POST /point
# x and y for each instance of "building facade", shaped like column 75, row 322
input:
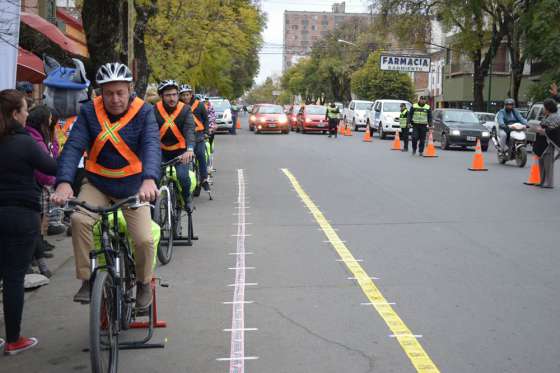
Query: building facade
column 302, row 29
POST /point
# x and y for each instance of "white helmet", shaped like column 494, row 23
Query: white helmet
column 185, row 88
column 167, row 84
column 113, row 72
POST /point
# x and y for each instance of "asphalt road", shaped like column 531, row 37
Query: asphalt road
column 467, row 261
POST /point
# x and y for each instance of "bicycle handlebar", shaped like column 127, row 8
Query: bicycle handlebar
column 134, row 201
column 172, row 162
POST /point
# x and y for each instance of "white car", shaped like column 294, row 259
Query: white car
column 357, row 113
column 385, row 116
column 222, row 107
column 488, row 120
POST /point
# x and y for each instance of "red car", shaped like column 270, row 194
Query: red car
column 312, row 118
column 270, row 118
column 292, row 116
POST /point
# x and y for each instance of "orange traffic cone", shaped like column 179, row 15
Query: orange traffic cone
column 367, row 136
column 397, row 142
column 535, row 174
column 431, row 149
column 341, row 129
column 348, row 132
column 238, row 125
column 478, row 159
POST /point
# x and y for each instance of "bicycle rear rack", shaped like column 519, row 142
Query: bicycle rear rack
column 187, row 241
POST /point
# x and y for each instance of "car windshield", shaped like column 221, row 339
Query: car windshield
column 272, row 109
column 464, row 117
column 392, row 107
column 340, row 106
column 486, row 117
column 220, row 105
column 295, row 109
column 316, row 110
column 363, row 106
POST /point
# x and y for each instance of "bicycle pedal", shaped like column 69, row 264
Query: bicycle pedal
column 163, row 284
column 194, row 238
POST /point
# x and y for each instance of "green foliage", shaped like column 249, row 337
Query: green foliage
column 211, row 44
column 372, row 83
column 262, row 93
column 543, row 33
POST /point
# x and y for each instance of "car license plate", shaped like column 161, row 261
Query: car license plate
column 320, row 125
column 272, row 125
column 471, row 138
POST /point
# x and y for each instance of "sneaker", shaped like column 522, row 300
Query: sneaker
column 143, row 295
column 43, row 268
column 83, row 295
column 205, row 186
column 53, row 230
column 21, row 345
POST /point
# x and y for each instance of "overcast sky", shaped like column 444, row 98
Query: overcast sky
column 271, row 53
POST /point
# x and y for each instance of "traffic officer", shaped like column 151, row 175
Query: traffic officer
column 405, row 131
column 420, row 117
column 332, row 115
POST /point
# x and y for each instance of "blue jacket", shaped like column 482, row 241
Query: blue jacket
column 141, row 135
column 505, row 118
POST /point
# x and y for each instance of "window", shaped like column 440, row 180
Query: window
column 295, row 27
column 313, row 28
column 305, row 22
column 533, row 113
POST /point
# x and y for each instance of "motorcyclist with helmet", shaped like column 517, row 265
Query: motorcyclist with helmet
column 506, row 116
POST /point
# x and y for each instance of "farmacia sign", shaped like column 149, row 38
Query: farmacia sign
column 395, row 62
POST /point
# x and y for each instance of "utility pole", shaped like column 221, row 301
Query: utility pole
column 130, row 38
column 490, row 81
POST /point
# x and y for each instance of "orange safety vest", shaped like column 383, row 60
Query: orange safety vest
column 169, row 124
column 199, row 124
column 62, row 130
column 110, row 132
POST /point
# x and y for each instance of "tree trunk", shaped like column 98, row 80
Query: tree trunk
column 103, row 26
column 145, row 9
column 478, row 83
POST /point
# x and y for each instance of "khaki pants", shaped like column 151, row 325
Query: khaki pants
column 139, row 226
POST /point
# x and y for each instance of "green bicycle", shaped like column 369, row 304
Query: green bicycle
column 168, row 210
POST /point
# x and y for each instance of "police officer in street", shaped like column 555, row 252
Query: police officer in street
column 332, row 115
column 405, row 129
column 420, row 117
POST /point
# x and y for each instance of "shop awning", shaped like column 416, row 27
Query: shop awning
column 52, row 32
column 29, row 67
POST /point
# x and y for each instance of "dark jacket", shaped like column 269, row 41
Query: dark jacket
column 185, row 122
column 202, row 115
column 20, row 156
column 141, row 135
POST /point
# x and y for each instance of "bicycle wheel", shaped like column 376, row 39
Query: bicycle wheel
column 163, row 215
column 104, row 343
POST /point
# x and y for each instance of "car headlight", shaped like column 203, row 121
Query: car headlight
column 262, row 119
column 252, row 118
column 307, row 120
column 282, row 119
column 455, row 133
column 485, row 134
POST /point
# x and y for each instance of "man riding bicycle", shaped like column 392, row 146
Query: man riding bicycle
column 176, row 132
column 120, row 133
column 200, row 116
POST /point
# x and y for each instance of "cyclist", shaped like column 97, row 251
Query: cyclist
column 176, row 132
column 121, row 135
column 200, row 116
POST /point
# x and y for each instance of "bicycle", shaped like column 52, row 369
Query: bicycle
column 196, row 165
column 113, row 275
column 168, row 209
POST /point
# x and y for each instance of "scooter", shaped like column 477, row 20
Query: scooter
column 517, row 149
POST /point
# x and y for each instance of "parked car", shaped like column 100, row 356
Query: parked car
column 488, row 120
column 222, row 107
column 459, row 127
column 292, row 116
column 311, row 118
column 270, row 118
column 357, row 113
column 340, row 107
column 534, row 117
column 385, row 115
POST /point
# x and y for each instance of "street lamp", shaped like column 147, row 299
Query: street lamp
column 347, row 42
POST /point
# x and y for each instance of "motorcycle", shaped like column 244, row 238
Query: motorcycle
column 517, row 149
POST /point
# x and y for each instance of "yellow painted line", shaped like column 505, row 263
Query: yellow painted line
column 408, row 340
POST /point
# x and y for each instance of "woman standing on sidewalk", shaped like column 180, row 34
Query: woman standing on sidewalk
column 20, row 210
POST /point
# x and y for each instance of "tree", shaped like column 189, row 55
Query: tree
column 371, row 83
column 262, row 93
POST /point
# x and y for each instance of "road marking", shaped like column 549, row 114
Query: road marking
column 247, row 253
column 237, row 345
column 244, row 330
column 378, row 304
column 246, row 284
column 408, row 341
column 354, row 278
column 350, row 260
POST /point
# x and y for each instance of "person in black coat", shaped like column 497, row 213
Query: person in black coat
column 20, row 209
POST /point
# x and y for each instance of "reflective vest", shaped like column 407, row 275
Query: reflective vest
column 332, row 112
column 62, row 130
column 198, row 122
column 170, row 125
column 403, row 119
column 110, row 132
column 420, row 115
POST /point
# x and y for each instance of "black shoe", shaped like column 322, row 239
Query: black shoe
column 83, row 295
column 48, row 255
column 404, row 150
column 143, row 295
column 205, row 186
column 53, row 230
column 421, row 154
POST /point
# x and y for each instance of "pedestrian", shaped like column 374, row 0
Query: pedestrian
column 20, row 210
column 420, row 117
column 332, row 115
column 405, row 130
column 554, row 92
column 234, row 117
column 549, row 128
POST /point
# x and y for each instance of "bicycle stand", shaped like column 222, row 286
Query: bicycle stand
column 153, row 322
column 187, row 241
